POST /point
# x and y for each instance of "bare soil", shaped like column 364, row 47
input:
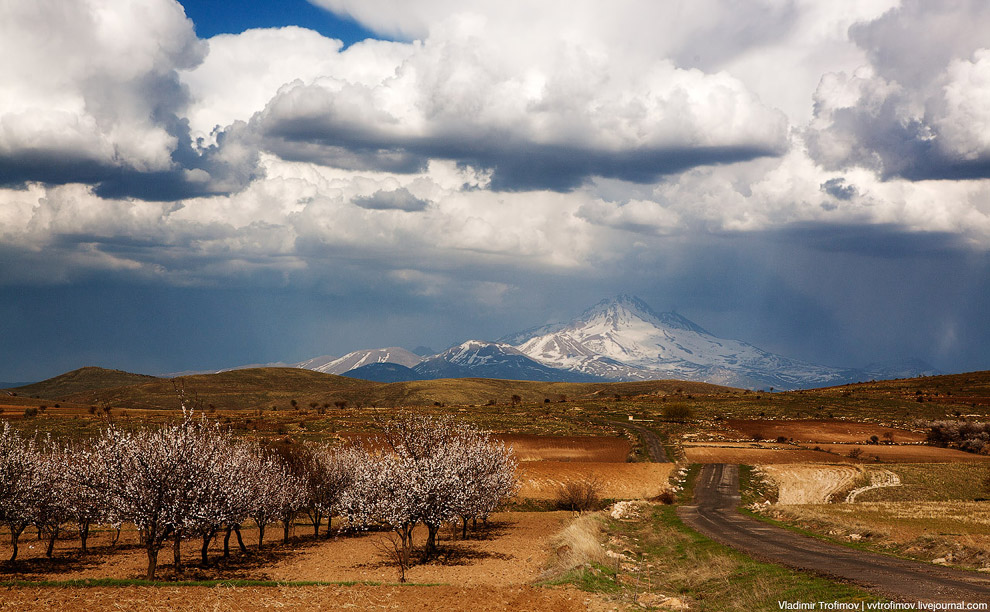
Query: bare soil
column 358, row 597
column 766, row 453
column 567, row 448
column 817, row 430
column 510, row 550
column 907, row 453
column 753, row 454
column 491, row 570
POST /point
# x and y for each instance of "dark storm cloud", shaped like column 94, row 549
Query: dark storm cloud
column 920, row 111
column 838, row 189
column 516, row 165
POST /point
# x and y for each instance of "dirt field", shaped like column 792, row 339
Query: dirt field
column 814, row 430
column 567, row 448
column 547, row 448
column 907, row 454
column 492, row 570
column 541, row 479
column 753, row 454
column 357, row 597
column 764, row 453
column 511, row 550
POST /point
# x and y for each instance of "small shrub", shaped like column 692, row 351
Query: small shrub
column 579, row 495
column 666, row 497
column 30, row 412
column 855, row 453
column 781, row 439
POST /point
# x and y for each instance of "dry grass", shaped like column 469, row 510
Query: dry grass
column 955, row 532
column 810, row 484
column 578, row 544
column 541, row 480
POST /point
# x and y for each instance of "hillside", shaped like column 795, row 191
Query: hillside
column 83, row 380
column 266, row 387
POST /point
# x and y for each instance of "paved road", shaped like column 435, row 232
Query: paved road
column 717, row 497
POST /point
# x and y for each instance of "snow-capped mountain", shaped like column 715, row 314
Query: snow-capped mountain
column 618, row 339
column 623, row 338
column 479, row 359
column 357, row 359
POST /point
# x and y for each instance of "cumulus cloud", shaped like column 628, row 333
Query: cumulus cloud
column 98, row 99
column 398, row 199
column 548, row 120
column 916, row 111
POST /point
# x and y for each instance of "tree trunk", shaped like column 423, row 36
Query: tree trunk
column 83, row 533
column 177, row 553
column 240, row 541
column 15, row 534
column 431, row 541
column 464, row 528
column 261, row 535
column 286, row 523
column 152, row 561
column 317, row 518
column 329, row 520
column 51, row 541
column 226, row 541
column 205, row 552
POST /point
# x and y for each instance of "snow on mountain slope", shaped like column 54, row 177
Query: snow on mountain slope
column 493, row 360
column 356, row 359
column 623, row 338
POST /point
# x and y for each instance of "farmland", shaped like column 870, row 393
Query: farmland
column 814, row 447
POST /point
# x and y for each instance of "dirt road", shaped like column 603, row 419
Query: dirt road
column 717, row 497
column 655, row 448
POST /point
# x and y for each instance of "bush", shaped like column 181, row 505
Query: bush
column 579, row 495
column 676, row 412
column 30, row 412
column 666, row 497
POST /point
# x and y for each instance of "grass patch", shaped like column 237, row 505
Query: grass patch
column 933, row 482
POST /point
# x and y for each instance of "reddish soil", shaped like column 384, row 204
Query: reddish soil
column 813, row 430
column 548, row 448
column 357, row 597
column 915, row 453
column 567, row 448
column 492, row 570
column 751, row 455
column 755, row 453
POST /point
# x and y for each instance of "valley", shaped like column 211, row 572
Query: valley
column 810, row 449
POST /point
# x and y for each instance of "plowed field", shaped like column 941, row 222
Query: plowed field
column 814, row 430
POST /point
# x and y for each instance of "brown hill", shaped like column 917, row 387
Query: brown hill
column 266, row 387
column 83, row 380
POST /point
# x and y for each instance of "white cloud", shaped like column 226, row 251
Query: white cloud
column 94, row 86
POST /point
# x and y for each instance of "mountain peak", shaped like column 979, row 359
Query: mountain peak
column 625, row 307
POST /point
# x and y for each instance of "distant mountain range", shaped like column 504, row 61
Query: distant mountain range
column 618, row 339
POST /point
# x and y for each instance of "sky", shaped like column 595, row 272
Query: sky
column 198, row 185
